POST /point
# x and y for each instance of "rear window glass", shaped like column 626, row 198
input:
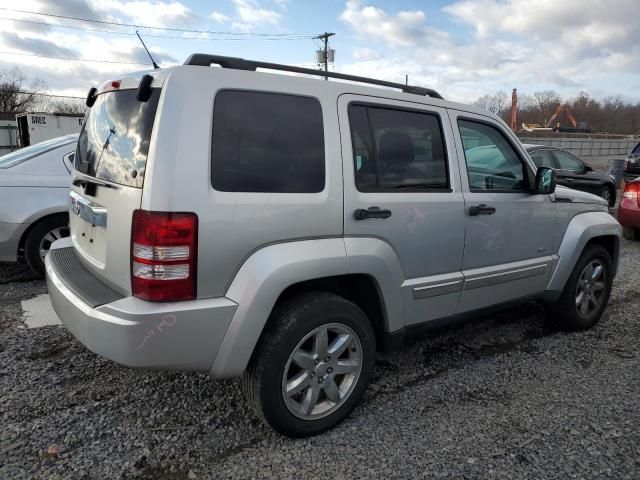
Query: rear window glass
column 114, row 141
column 27, row 153
column 267, row 142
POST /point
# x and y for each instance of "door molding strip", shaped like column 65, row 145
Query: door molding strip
column 502, row 277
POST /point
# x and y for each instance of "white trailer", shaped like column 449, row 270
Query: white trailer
column 36, row 127
column 8, row 136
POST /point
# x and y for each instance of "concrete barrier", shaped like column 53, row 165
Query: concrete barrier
column 594, row 149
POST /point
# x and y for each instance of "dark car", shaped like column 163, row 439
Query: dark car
column 632, row 165
column 573, row 172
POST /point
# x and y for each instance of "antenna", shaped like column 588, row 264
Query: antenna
column 155, row 65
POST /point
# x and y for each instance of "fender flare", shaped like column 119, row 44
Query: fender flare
column 271, row 270
column 581, row 229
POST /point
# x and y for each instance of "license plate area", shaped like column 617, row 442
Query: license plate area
column 88, row 222
column 87, row 210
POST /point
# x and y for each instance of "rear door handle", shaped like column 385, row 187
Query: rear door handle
column 371, row 212
column 482, row 209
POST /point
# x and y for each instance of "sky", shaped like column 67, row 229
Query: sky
column 462, row 48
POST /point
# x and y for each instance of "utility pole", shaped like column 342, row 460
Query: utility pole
column 514, row 108
column 325, row 56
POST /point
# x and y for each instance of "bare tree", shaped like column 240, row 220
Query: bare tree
column 493, row 103
column 18, row 93
column 609, row 115
column 547, row 102
column 69, row 105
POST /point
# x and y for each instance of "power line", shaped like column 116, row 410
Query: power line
column 40, row 94
column 177, row 37
column 71, row 59
column 132, row 25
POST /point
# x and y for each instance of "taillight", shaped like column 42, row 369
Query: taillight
column 163, row 255
column 631, row 192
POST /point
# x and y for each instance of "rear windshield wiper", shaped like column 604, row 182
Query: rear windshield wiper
column 82, row 180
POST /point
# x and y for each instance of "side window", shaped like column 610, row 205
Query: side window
column 397, row 149
column 568, row 162
column 542, row 158
column 267, row 142
column 492, row 163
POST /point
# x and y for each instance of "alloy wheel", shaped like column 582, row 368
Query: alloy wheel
column 590, row 291
column 322, row 371
column 51, row 236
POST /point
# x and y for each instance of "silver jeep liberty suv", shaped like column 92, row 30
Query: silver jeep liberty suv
column 283, row 229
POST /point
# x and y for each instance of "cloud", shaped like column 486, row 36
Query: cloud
column 139, row 55
column 365, row 53
column 250, row 13
column 71, row 8
column 36, row 46
column 219, row 17
column 529, row 44
column 570, row 31
column 156, row 13
column 402, row 29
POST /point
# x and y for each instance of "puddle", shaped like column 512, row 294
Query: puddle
column 38, row 312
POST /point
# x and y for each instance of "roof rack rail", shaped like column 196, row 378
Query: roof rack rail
column 206, row 60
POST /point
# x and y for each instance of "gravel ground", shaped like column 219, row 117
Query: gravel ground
column 500, row 397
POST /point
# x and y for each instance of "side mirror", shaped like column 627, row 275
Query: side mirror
column 545, row 181
column 588, row 168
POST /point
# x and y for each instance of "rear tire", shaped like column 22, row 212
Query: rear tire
column 630, row 233
column 40, row 238
column 289, row 359
column 586, row 293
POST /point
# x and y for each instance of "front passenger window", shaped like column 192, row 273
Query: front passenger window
column 492, row 163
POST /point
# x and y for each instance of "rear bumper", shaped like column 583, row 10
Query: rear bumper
column 136, row 333
column 629, row 217
column 10, row 234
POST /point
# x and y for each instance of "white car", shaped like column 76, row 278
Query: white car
column 34, row 184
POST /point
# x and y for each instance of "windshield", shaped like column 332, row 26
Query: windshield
column 637, row 149
column 114, row 141
column 14, row 158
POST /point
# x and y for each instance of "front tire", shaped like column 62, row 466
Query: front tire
column 312, row 365
column 586, row 294
column 40, row 238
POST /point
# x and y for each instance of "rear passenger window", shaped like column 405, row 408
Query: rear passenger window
column 267, row 142
column 397, row 149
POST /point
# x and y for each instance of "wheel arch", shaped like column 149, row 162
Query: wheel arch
column 34, row 223
column 583, row 230
column 276, row 272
